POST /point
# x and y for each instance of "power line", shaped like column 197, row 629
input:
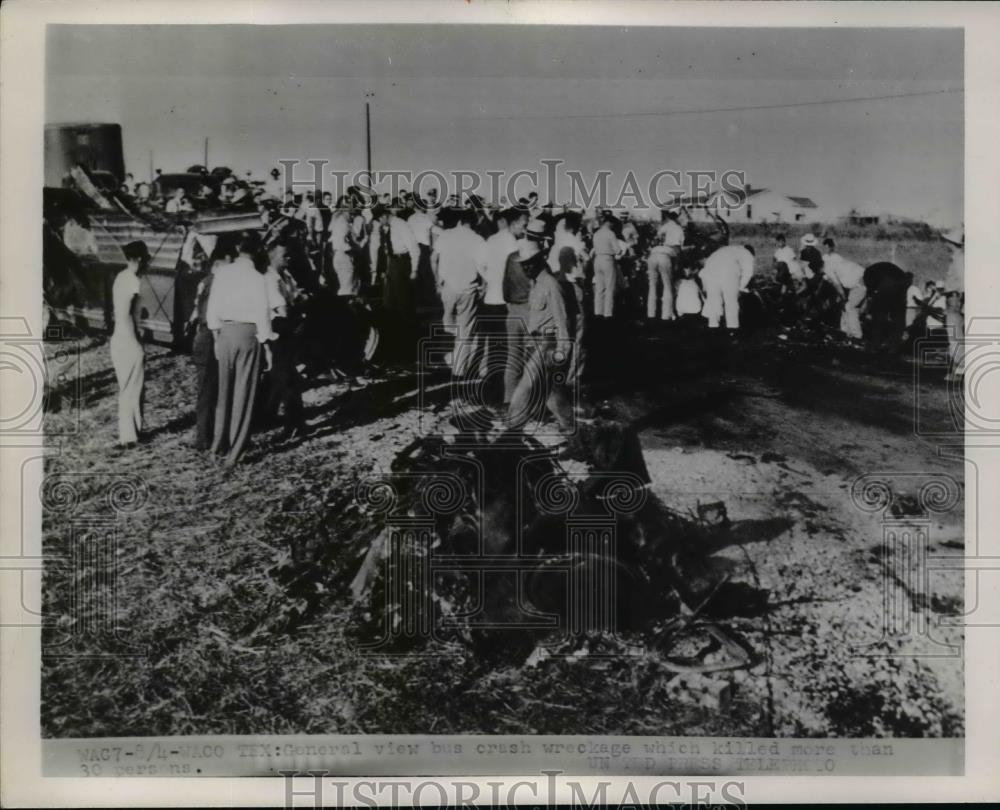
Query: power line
column 703, row 111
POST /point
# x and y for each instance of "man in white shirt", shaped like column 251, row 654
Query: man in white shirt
column 847, row 277
column 309, row 212
column 607, row 251
column 796, row 272
column 784, row 254
column 660, row 266
column 725, row 275
column 276, row 185
column 492, row 317
column 934, row 304
column 348, row 281
column 460, row 259
column 238, row 314
column 498, row 248
column 283, row 383
column 914, row 299
column 179, row 203
column 567, row 234
column 402, row 260
column 421, row 222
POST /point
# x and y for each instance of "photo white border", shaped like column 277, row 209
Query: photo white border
column 22, row 71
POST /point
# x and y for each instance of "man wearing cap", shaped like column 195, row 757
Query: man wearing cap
column 549, row 343
column 725, row 275
column 660, row 266
column 516, row 292
column 808, row 240
column 127, row 355
column 459, row 263
column 954, row 289
column 606, row 251
column 846, row 276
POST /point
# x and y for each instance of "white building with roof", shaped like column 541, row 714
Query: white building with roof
column 755, row 205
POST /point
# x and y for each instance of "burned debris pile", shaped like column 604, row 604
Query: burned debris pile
column 509, row 548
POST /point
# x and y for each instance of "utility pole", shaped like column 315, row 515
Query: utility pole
column 205, row 164
column 150, row 165
column 368, row 131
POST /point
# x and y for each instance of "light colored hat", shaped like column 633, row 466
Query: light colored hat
column 809, row 240
column 528, row 249
column 535, row 229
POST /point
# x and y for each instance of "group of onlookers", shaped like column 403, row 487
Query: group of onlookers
column 518, row 288
column 241, row 309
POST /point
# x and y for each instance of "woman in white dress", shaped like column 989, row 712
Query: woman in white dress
column 127, row 355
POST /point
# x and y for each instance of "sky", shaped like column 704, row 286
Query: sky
column 503, row 98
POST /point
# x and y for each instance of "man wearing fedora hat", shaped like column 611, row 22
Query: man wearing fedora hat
column 516, row 291
column 127, row 355
column 549, row 340
column 808, row 240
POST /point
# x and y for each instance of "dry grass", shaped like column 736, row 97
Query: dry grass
column 234, row 641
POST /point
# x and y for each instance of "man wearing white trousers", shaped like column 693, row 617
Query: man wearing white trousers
column 660, row 266
column 725, row 275
column 606, row 253
column 847, row 277
column 127, row 355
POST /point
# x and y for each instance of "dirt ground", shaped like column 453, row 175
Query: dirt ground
column 213, row 638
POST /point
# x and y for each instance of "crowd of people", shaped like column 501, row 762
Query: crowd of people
column 520, row 288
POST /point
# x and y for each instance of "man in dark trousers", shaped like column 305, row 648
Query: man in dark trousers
column 572, row 280
column 549, row 342
column 392, row 235
column 284, row 387
column 203, row 346
column 516, row 289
